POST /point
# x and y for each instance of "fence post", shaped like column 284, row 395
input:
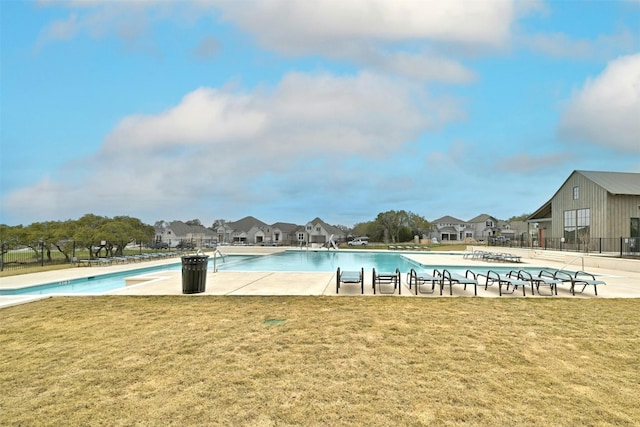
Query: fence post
column 41, row 254
column 2, row 257
column 621, row 242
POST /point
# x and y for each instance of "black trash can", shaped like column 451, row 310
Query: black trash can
column 194, row 273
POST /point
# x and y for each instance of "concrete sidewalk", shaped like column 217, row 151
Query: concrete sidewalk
column 620, row 283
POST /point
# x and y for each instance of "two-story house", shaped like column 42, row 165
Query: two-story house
column 448, row 228
column 482, row 227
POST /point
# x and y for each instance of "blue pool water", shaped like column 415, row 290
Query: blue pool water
column 288, row 261
column 87, row 285
column 321, row 261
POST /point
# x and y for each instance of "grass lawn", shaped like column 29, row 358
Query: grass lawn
column 324, row 361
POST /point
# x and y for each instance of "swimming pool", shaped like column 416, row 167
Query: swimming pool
column 287, row 261
column 91, row 285
column 321, row 261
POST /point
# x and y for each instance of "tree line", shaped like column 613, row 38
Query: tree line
column 394, row 227
column 92, row 232
column 112, row 235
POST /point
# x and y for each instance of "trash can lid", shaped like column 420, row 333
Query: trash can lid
column 195, row 256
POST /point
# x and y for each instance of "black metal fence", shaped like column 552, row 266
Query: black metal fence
column 24, row 256
column 619, row 246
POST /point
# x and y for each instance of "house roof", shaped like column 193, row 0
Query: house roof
column 619, row 183
column 179, row 228
column 285, row 226
column 329, row 228
column 482, row 218
column 447, row 220
column 246, row 223
column 543, row 213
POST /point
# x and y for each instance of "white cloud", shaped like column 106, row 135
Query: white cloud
column 326, row 23
column 205, row 115
column 606, row 110
column 368, row 33
column 526, row 163
column 129, row 21
column 422, row 66
column 296, row 25
column 562, row 45
column 223, row 147
column 372, row 33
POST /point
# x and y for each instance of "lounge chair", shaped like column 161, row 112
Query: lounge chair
column 491, row 256
column 470, row 255
column 509, row 279
column 510, row 257
column 421, row 278
column 387, row 279
column 350, row 277
column 451, row 279
column 579, row 278
column 539, row 280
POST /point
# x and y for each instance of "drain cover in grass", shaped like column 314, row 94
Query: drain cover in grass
column 273, row 322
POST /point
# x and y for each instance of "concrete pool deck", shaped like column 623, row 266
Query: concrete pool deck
column 621, row 275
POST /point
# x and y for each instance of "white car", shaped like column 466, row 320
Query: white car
column 358, row 241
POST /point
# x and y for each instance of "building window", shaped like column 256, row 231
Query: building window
column 577, row 224
column 301, row 237
column 576, row 192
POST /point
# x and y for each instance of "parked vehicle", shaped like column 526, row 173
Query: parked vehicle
column 185, row 245
column 359, row 241
column 499, row 240
column 159, row 245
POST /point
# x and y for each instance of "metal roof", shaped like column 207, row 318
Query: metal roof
column 615, row 182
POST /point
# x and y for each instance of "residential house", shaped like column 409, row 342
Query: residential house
column 283, row 233
column 482, row 228
column 176, row 232
column 223, row 232
column 319, row 232
column 248, row 230
column 518, row 230
column 251, row 231
column 448, row 228
column 593, row 210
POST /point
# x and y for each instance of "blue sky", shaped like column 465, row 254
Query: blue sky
column 290, row 110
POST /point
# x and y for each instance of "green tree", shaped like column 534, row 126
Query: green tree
column 370, row 229
column 392, row 223
column 9, row 237
column 218, row 223
column 417, row 224
column 343, row 228
column 122, row 230
column 38, row 236
column 87, row 232
column 522, row 217
column 63, row 238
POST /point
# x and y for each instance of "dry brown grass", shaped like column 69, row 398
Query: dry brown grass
column 332, row 361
